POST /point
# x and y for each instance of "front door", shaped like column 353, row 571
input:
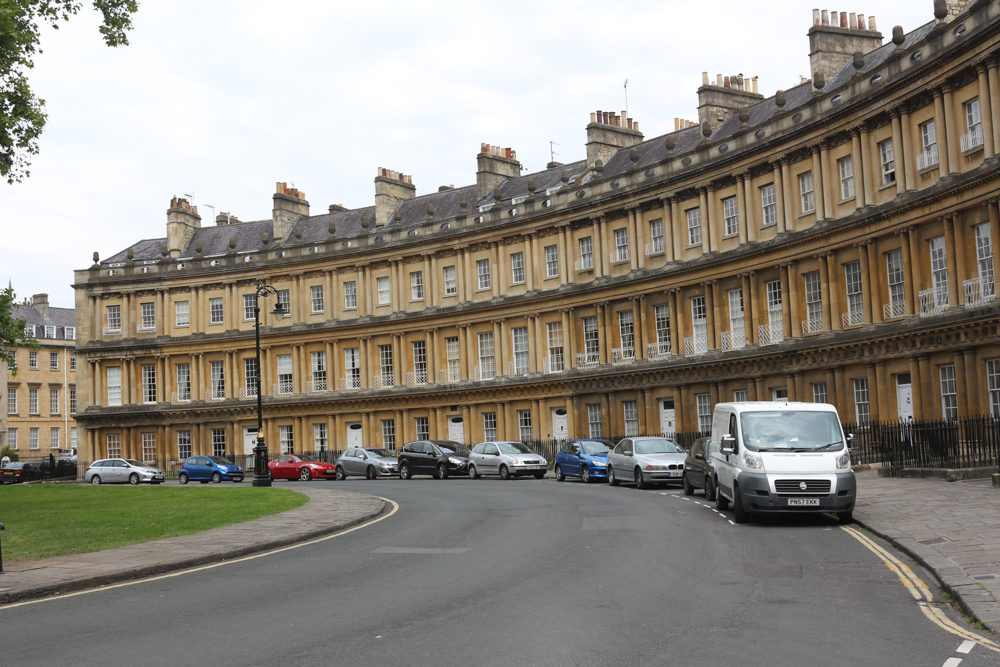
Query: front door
column 560, row 424
column 904, row 397
column 249, row 440
column 354, row 435
column 456, row 429
column 667, row 424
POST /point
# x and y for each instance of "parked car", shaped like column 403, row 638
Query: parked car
column 507, row 459
column 293, row 466
column 698, row 472
column 63, row 468
column 209, row 468
column 439, row 458
column 15, row 472
column 585, row 458
column 646, row 460
column 370, row 462
column 120, row 471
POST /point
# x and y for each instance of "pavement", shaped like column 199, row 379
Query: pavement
column 951, row 528
column 328, row 511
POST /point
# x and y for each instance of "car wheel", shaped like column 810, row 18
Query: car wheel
column 709, row 489
column 585, row 475
column 686, row 483
column 845, row 517
column 740, row 515
column 370, row 473
column 133, row 479
column 442, row 471
column 216, row 478
column 341, row 475
column 721, row 502
column 305, row 474
column 404, row 471
column 96, row 480
column 473, row 474
column 640, row 481
column 559, row 473
column 612, row 480
column 182, row 478
column 504, row 472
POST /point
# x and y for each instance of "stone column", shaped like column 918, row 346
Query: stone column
column 910, row 289
column 826, row 182
column 793, row 394
column 678, row 228
column 833, row 290
column 926, row 381
column 465, row 287
column 633, row 237
column 817, row 175
column 958, row 358
column 533, row 260
column 795, row 312
column 706, row 221
column 874, row 279
column 749, row 205
column 963, row 268
column 976, row 398
column 857, row 168
column 866, row 299
column 602, row 334
column 867, row 172
column 786, row 191
column 909, row 159
column 597, row 246
column 779, row 198
column 994, row 213
column 741, row 206
column 607, row 419
column 640, row 324
column 899, row 151
column 675, row 303
column 565, row 259
column 499, row 340
column 994, row 87
column 569, row 338
column 986, row 109
column 710, row 315
column 670, row 234
column 942, row 130
column 949, row 242
column 748, row 301
column 844, row 406
column 786, row 314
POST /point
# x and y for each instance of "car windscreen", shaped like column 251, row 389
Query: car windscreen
column 657, row 446
column 307, row 459
column 138, row 464
column 453, row 449
column 221, row 461
column 594, row 447
column 513, row 448
column 385, row 453
column 799, row 430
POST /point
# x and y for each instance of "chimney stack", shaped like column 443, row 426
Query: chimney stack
column 608, row 132
column 715, row 103
column 289, row 206
column 950, row 8
column 494, row 165
column 182, row 221
column 391, row 188
column 833, row 41
column 41, row 303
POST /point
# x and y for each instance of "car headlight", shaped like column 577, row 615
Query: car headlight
column 515, row 461
column 844, row 461
column 656, row 467
column 454, row 461
column 753, row 461
column 598, row 464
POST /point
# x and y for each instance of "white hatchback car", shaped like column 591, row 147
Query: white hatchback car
column 121, row 471
column 507, row 459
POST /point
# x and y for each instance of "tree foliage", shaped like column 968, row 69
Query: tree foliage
column 11, row 331
column 22, row 114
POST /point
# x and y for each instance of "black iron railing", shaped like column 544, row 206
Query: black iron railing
column 968, row 442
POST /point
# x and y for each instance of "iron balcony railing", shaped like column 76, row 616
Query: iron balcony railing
column 771, row 333
column 554, row 363
column 485, row 371
column 585, row 263
column 972, row 140
column 979, row 291
column 933, row 301
column 696, row 345
column 736, row 337
column 852, row 318
column 812, row 326
column 317, row 387
column 658, row 351
column 384, row 381
column 619, row 255
column 449, row 375
column 416, row 378
column 928, row 158
column 282, row 388
column 655, row 247
column 180, row 396
column 350, row 383
column 622, row 355
column 587, row 359
column 893, row 310
column 518, row 369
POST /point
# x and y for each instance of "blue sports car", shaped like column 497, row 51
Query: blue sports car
column 585, row 458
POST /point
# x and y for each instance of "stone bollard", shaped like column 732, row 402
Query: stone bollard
column 1, row 551
column 996, row 484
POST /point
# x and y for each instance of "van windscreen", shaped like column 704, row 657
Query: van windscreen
column 795, row 430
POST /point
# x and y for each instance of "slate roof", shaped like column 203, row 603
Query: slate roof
column 60, row 318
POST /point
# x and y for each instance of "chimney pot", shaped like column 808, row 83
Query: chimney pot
column 871, row 23
column 704, row 78
column 843, row 20
column 816, row 18
column 853, row 21
column 861, row 22
column 826, row 17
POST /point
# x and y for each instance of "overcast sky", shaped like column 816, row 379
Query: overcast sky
column 222, row 98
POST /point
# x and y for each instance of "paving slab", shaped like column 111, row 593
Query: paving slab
column 950, row 528
column 328, row 511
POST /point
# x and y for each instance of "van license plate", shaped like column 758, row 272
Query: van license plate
column 803, row 501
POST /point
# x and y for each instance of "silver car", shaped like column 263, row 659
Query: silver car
column 120, row 471
column 507, row 459
column 646, row 461
column 370, row 462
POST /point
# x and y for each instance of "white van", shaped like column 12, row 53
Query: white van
column 781, row 457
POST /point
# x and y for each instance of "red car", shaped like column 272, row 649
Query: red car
column 292, row 466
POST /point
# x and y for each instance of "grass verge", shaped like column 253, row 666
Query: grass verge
column 51, row 520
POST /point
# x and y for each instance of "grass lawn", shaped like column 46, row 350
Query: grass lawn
column 54, row 519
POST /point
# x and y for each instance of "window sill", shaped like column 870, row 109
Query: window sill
column 849, row 199
column 516, row 284
column 768, row 225
column 929, row 169
column 551, row 277
column 350, row 308
column 619, row 262
column 318, row 312
column 185, row 326
column 692, row 246
column 974, row 150
column 448, row 296
column 216, row 324
column 383, row 305
column 806, row 214
column 730, row 236
column 886, row 186
column 484, row 289
column 420, row 300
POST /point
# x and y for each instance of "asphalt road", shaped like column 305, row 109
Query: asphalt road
column 523, row 572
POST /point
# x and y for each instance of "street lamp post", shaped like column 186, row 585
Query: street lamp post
column 260, row 475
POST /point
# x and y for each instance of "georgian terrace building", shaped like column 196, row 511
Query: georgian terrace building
column 833, row 242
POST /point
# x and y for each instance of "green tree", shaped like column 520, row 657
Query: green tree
column 11, row 331
column 22, row 115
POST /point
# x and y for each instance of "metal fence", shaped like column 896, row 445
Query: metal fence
column 968, row 442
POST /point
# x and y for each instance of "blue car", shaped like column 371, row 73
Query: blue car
column 585, row 458
column 207, row 469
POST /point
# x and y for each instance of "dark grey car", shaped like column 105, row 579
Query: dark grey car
column 369, row 462
column 698, row 471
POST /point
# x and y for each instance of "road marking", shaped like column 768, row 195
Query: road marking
column 918, row 589
column 395, row 508
column 418, row 550
column 965, row 647
column 952, row 662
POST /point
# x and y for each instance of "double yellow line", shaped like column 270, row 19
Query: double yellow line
column 395, row 508
column 918, row 589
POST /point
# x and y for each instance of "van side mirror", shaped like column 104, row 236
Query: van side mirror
column 728, row 438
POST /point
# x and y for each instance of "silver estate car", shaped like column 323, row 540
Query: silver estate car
column 370, row 462
column 120, row 471
column 507, row 459
column 646, row 461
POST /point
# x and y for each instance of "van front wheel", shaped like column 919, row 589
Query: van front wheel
column 845, row 517
column 740, row 515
